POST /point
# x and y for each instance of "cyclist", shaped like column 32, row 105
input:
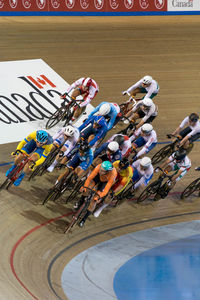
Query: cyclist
column 107, row 151
column 124, row 143
column 147, row 85
column 109, row 110
column 102, row 178
column 145, row 110
column 178, row 162
column 93, row 129
column 37, row 144
column 86, row 87
column 191, row 132
column 80, row 161
column 144, row 136
column 124, row 176
column 68, row 137
column 143, row 172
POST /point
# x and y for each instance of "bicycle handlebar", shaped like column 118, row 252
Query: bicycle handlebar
column 164, row 172
column 169, row 136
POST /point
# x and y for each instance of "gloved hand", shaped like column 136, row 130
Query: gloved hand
column 82, row 189
column 124, row 93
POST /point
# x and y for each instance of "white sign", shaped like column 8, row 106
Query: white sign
column 30, row 92
column 183, row 5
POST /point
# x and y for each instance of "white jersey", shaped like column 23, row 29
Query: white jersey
column 184, row 165
column 70, row 143
column 195, row 129
column 153, row 88
column 144, row 175
column 149, row 139
column 126, row 147
column 152, row 112
column 89, row 95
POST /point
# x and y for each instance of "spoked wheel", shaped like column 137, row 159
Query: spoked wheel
column 161, row 154
column 194, row 186
column 55, row 118
column 35, row 172
column 128, row 193
column 148, row 192
column 5, row 184
column 52, row 195
column 68, row 117
column 75, row 192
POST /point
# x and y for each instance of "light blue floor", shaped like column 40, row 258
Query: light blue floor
column 161, row 263
column 167, row 272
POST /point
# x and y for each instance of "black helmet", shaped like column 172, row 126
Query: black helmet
column 84, row 146
column 193, row 117
column 124, row 163
column 119, row 139
column 180, row 154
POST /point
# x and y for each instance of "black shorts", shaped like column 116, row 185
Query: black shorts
column 194, row 137
column 142, row 115
column 185, row 131
column 98, row 183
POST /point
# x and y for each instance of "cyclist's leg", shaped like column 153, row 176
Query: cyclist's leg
column 57, row 159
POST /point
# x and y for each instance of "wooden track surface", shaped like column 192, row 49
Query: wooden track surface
column 115, row 52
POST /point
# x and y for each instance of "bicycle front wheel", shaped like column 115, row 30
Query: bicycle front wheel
column 149, row 191
column 55, row 118
column 4, row 184
column 161, row 154
column 191, row 188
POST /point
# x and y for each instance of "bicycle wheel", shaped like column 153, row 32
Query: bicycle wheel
column 75, row 191
column 51, row 195
column 68, row 117
column 4, row 184
column 149, row 191
column 36, row 172
column 162, row 153
column 191, row 188
column 56, row 117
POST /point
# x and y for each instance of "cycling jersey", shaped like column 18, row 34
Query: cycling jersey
column 152, row 112
column 70, row 143
column 148, row 141
column 108, row 177
column 142, row 176
column 183, row 165
column 123, row 176
column 193, row 129
column 153, row 88
column 83, row 161
column 114, row 110
column 103, row 154
column 125, row 147
column 87, row 129
column 29, row 145
column 89, row 95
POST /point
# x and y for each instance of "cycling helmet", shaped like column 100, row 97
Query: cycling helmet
column 84, row 146
column 100, row 120
column 147, row 102
column 147, row 79
column 193, row 117
column 107, row 166
column 119, row 139
column 69, row 130
column 104, row 109
column 145, row 162
column 113, row 146
column 124, row 163
column 87, row 82
column 179, row 155
column 41, row 136
column 147, row 128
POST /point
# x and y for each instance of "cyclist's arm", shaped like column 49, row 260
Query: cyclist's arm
column 92, row 175
column 75, row 84
column 96, row 109
column 31, row 136
column 165, row 163
column 109, row 184
column 134, row 86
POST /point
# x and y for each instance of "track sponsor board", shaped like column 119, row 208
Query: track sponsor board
column 30, row 93
column 183, row 5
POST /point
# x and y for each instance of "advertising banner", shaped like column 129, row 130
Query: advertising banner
column 183, row 5
column 82, row 6
column 30, row 93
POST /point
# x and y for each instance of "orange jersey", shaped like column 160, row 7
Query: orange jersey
column 108, row 177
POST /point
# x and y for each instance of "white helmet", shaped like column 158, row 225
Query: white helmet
column 147, row 102
column 147, row 128
column 87, row 82
column 147, row 79
column 145, row 162
column 113, row 146
column 104, row 109
column 69, row 130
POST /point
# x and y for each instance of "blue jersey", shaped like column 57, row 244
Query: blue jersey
column 112, row 114
column 87, row 129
